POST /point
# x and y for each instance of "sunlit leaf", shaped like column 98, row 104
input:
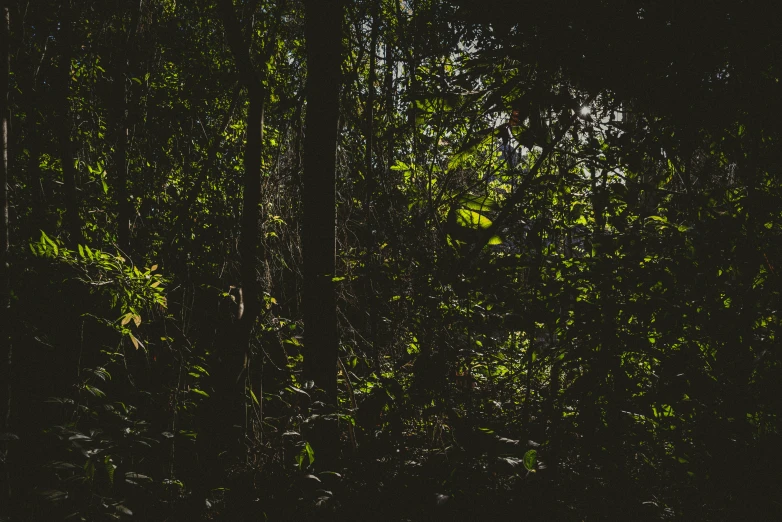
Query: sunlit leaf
column 531, row 460
column 310, row 452
column 472, row 219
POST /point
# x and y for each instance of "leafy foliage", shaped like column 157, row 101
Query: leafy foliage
column 557, row 244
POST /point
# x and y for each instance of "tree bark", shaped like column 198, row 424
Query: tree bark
column 371, row 185
column 72, row 220
column 323, row 33
column 5, row 292
column 371, row 78
column 121, row 162
column 225, row 412
column 249, row 305
column 119, row 106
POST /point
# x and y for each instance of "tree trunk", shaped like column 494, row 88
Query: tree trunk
column 119, row 106
column 72, row 220
column 390, row 66
column 39, row 210
column 5, row 292
column 225, row 413
column 371, row 78
column 249, row 305
column 121, row 162
column 370, row 183
column 323, row 33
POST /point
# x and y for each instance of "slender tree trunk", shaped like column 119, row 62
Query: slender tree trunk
column 250, row 238
column 5, row 292
column 371, row 78
column 249, row 306
column 390, row 65
column 119, row 106
column 72, row 220
column 121, row 160
column 371, row 186
column 530, row 327
column 34, row 137
column 226, row 409
column 323, row 32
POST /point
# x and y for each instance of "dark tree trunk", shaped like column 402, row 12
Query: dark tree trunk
column 5, row 293
column 119, row 109
column 237, row 353
column 371, row 186
column 371, row 92
column 72, row 220
column 323, row 32
column 121, row 160
column 226, row 409
column 388, row 81
column 38, row 217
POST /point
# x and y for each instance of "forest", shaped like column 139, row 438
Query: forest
column 390, row 260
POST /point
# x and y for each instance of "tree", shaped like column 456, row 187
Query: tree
column 323, row 35
column 231, row 371
column 124, row 39
column 6, row 353
column 65, row 125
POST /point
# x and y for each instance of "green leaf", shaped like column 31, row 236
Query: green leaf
column 663, row 222
column 199, row 392
column 48, row 240
column 310, row 452
column 472, row 219
column 306, row 452
column 531, row 460
column 94, row 391
column 110, row 468
column 478, row 203
column 400, row 166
